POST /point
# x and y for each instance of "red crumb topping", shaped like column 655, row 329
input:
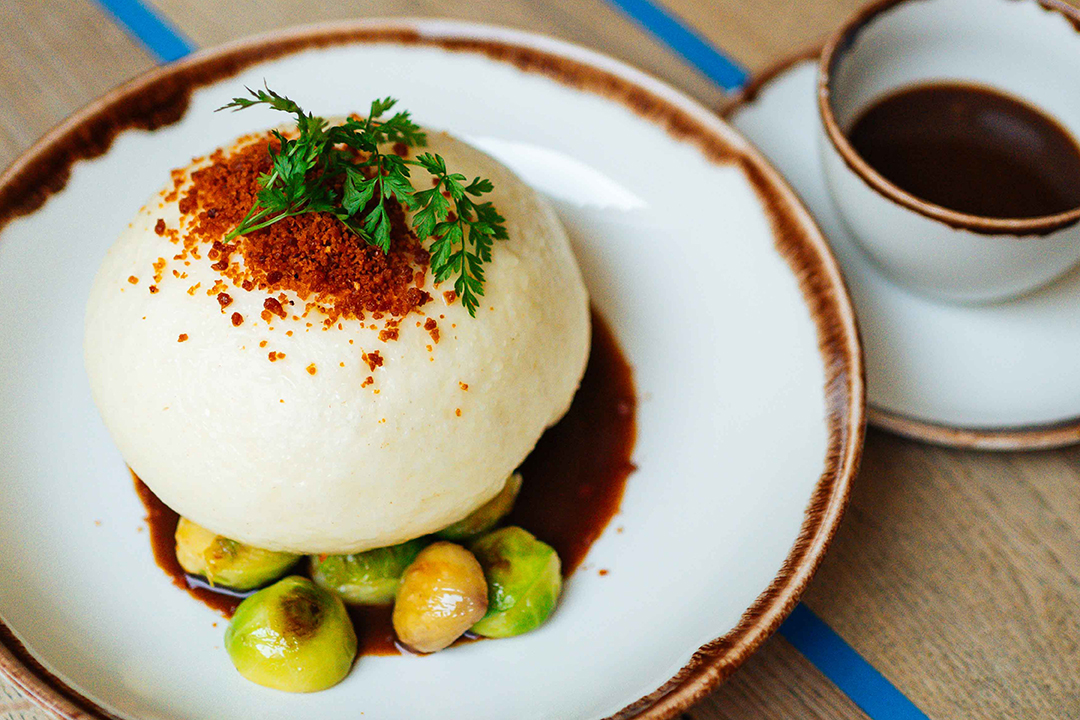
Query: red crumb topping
column 312, row 255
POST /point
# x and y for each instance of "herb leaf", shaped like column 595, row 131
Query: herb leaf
column 308, row 170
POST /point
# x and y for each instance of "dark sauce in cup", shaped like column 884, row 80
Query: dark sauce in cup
column 971, row 149
column 573, row 484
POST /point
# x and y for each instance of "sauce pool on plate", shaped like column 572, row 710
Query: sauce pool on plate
column 971, row 149
column 573, row 484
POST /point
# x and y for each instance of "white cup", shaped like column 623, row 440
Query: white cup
column 1028, row 48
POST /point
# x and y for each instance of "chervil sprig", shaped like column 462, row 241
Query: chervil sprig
column 471, row 224
column 308, row 170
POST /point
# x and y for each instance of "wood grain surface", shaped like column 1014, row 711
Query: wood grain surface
column 956, row 574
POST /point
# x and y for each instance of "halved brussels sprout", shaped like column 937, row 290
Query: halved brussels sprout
column 292, row 636
column 441, row 595
column 524, row 581
column 487, row 515
column 367, row 578
column 227, row 562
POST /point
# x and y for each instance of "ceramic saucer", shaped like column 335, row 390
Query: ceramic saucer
column 1000, row 376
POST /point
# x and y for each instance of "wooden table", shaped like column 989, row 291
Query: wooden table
column 955, row 574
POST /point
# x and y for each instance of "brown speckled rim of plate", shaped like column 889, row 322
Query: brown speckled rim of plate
column 838, row 44
column 1022, row 437
column 161, row 96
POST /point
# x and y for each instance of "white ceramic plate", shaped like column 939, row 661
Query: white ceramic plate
column 998, row 376
column 717, row 284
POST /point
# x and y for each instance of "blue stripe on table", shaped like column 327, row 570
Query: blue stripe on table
column 156, row 33
column 685, row 42
column 839, row 662
column 836, row 660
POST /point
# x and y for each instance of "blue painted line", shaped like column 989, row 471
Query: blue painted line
column 156, row 33
column 692, row 47
column 839, row 662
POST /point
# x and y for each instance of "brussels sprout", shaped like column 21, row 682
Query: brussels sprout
column 367, row 578
column 227, row 562
column 441, row 595
column 524, row 581
column 292, row 636
column 487, row 515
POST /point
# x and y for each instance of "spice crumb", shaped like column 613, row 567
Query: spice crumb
column 153, row 289
column 433, row 329
column 237, row 319
column 312, row 369
column 262, row 344
column 458, row 412
column 182, row 338
column 373, row 360
column 133, row 280
column 602, row 573
column 463, row 386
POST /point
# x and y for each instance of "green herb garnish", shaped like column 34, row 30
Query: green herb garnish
column 308, row 171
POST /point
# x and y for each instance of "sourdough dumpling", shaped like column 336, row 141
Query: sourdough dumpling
column 287, row 438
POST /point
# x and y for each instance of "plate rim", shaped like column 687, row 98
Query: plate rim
column 1041, row 436
column 797, row 239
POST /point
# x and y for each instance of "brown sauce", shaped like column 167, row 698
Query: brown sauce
column 971, row 149
column 573, row 484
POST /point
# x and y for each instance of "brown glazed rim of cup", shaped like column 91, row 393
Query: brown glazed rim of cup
column 162, row 94
column 839, row 43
